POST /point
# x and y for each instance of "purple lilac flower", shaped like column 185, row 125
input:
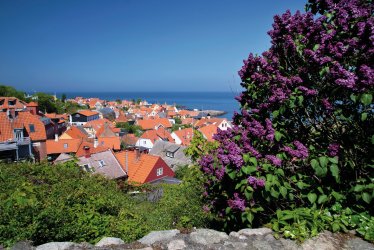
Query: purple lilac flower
column 326, row 104
column 308, row 92
column 255, row 182
column 333, row 149
column 274, row 160
column 270, row 130
column 206, row 208
column 237, row 203
column 300, row 152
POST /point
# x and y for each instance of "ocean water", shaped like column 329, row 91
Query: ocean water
column 192, row 100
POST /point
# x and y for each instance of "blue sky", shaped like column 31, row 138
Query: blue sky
column 132, row 45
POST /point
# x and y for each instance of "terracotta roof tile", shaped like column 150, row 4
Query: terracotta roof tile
column 185, row 135
column 76, row 133
column 11, row 103
column 208, row 131
column 81, row 151
column 63, row 146
column 110, row 142
column 34, row 127
column 87, row 112
column 139, row 167
column 153, row 123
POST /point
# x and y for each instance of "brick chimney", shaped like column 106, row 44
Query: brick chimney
column 87, row 151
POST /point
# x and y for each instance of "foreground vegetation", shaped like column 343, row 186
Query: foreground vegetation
column 44, row 203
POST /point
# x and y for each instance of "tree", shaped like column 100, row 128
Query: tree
column 305, row 134
column 46, row 102
column 63, row 97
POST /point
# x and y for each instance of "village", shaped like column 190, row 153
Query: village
column 123, row 140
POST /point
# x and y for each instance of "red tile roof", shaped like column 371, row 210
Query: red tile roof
column 153, row 123
column 5, row 103
column 208, row 131
column 87, row 112
column 76, row 133
column 81, row 151
column 63, row 146
column 22, row 120
column 32, row 104
column 205, row 121
column 110, row 142
column 139, row 167
column 185, row 135
column 129, row 139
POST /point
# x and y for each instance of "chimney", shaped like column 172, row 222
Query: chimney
column 137, row 154
column 127, row 163
column 87, row 152
column 96, row 142
column 56, row 137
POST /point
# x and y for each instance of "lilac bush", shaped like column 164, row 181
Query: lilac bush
column 304, row 136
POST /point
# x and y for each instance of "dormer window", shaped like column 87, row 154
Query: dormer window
column 101, row 163
column 160, row 171
column 12, row 102
column 66, row 145
column 32, row 128
column 169, row 154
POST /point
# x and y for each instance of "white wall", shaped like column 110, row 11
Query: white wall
column 147, row 143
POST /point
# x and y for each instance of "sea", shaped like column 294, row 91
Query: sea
column 223, row 101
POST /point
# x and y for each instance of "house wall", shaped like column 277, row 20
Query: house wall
column 39, row 150
column 176, row 138
column 166, row 171
column 147, row 143
column 224, row 125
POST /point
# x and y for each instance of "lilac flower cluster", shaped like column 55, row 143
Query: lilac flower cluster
column 333, row 149
column 274, row 160
column 237, row 203
column 255, row 182
column 300, row 152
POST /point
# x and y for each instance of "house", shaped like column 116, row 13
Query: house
column 103, row 162
column 82, row 117
column 173, row 154
column 143, row 168
column 22, row 129
column 208, row 131
column 58, row 146
column 33, row 108
column 75, row 132
column 12, row 103
column 148, row 124
column 183, row 136
column 129, row 140
column 221, row 123
column 149, row 137
column 106, row 137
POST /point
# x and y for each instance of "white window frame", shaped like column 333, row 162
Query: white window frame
column 160, row 171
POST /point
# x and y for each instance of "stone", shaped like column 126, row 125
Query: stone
column 236, row 245
column 155, row 236
column 22, row 245
column 324, row 241
column 255, row 231
column 108, row 241
column 262, row 245
column 57, row 246
column 177, row 245
column 207, row 236
column 289, row 244
column 358, row 244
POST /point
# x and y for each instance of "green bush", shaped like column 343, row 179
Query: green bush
column 44, row 203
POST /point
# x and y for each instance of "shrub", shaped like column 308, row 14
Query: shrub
column 304, row 137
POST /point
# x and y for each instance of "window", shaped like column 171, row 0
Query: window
column 144, row 142
column 160, row 171
column 66, row 145
column 169, row 154
column 101, row 163
column 32, row 127
column 87, row 168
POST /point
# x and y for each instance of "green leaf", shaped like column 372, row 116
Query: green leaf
column 300, row 99
column 302, row 185
column 315, row 47
column 250, row 217
column 312, row 197
column 275, row 113
column 274, row 193
column 246, row 158
column 322, row 199
column 366, row 197
column 249, row 169
column 353, row 97
column 283, row 191
column 314, row 163
column 323, row 160
column 253, row 160
column 335, row 227
column 364, row 116
column 277, row 135
column 335, row 172
column 334, row 160
column 359, row 188
column 338, row 196
column 232, row 174
column 366, row 99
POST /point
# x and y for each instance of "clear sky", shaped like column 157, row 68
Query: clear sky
column 132, row 45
